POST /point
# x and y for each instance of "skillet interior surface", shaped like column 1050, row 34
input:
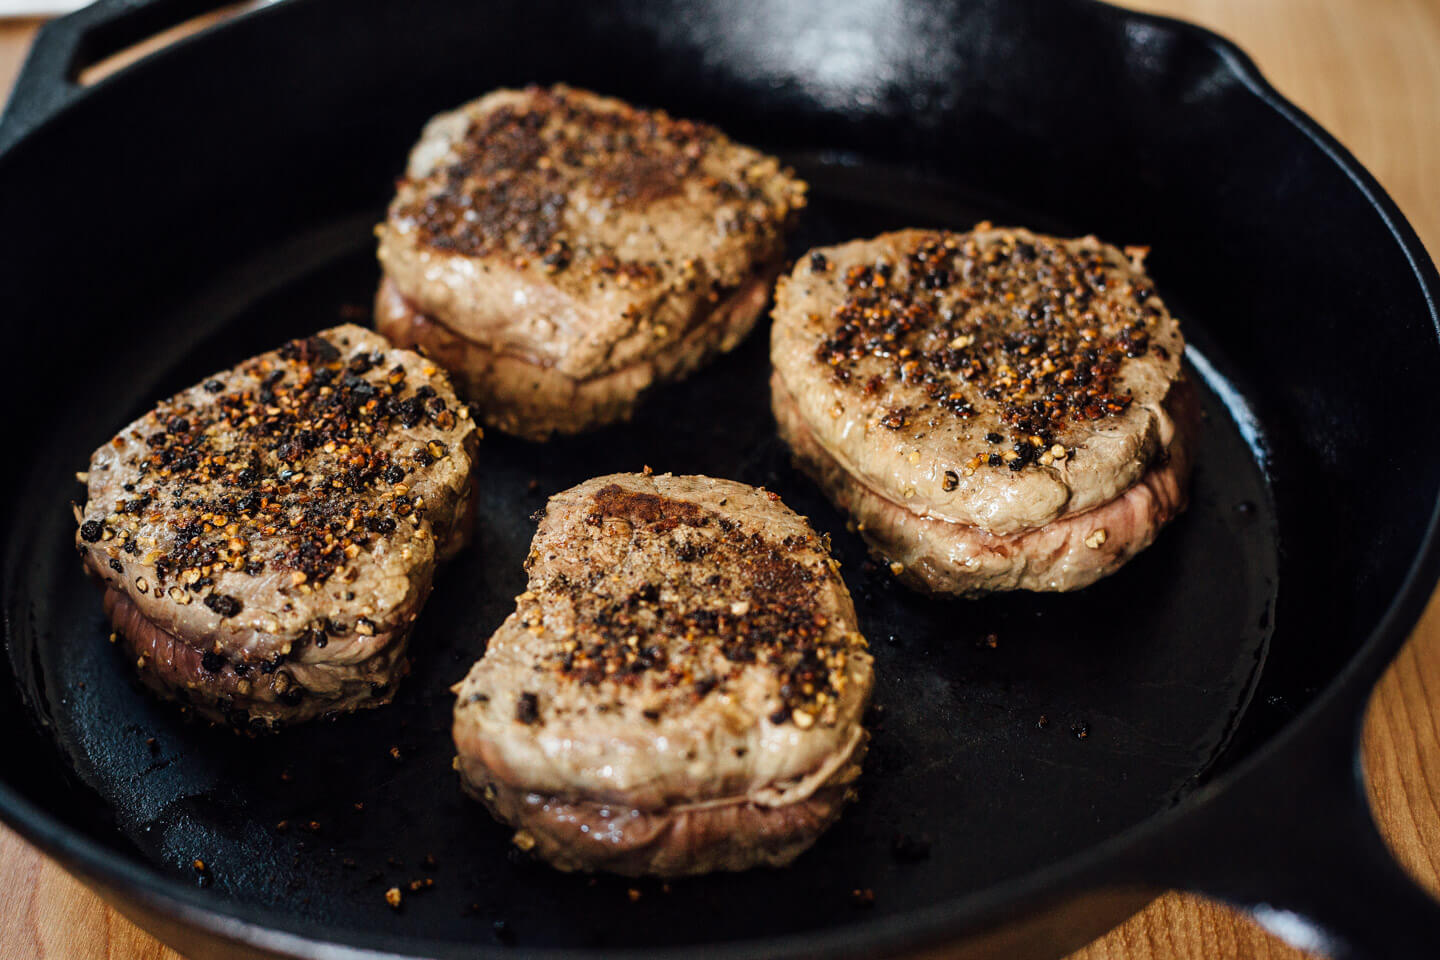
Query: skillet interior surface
column 1008, row 733
column 952, row 112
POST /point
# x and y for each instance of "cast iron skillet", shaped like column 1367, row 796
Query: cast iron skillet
column 1191, row 722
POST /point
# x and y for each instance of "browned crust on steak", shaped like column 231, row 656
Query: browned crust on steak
column 581, row 234
column 683, row 643
column 533, row 399
column 290, row 510
column 999, row 378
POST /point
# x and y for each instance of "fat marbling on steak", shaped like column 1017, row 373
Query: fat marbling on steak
column 995, row 409
column 679, row 689
column 267, row 537
column 564, row 252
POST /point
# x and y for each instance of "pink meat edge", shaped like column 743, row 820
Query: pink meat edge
column 586, row 835
column 175, row 670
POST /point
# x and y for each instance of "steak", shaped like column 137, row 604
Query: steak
column 577, row 247
column 267, row 537
column 961, row 394
column 679, row 689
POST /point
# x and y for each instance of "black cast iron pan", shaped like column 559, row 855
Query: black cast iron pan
column 1191, row 722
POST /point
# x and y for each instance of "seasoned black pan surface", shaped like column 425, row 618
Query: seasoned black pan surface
column 1026, row 748
column 1009, row 733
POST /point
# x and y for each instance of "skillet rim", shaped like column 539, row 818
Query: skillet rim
column 1349, row 689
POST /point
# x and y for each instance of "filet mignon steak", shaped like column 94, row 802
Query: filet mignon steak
column 566, row 251
column 679, row 689
column 267, row 537
column 996, row 409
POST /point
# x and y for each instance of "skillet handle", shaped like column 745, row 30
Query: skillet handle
column 1293, row 842
column 66, row 46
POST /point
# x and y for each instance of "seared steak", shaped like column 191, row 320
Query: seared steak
column 679, row 689
column 267, row 537
column 579, row 250
column 962, row 394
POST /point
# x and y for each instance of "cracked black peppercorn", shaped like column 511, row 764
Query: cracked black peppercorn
column 91, row 531
column 1031, row 330
column 527, row 708
column 223, row 604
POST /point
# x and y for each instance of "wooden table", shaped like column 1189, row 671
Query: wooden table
column 1369, row 71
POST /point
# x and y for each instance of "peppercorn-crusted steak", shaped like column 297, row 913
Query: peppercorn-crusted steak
column 267, row 538
column 577, row 247
column 679, row 689
column 996, row 409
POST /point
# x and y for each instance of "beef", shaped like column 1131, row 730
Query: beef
column 575, row 246
column 938, row 556
column 679, row 689
column 267, row 538
column 961, row 394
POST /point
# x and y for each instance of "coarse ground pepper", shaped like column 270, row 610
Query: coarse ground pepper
column 1034, row 328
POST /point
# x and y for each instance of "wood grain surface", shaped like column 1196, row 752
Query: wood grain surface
column 1369, row 71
